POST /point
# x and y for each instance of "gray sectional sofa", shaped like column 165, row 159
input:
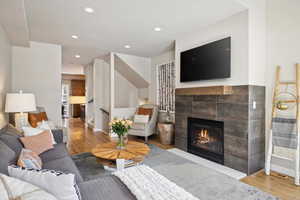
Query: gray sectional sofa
column 59, row 159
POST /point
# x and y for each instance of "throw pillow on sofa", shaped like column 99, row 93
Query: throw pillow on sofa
column 59, row 184
column 38, row 143
column 12, row 188
column 29, row 131
column 29, row 159
column 35, row 117
column 46, row 125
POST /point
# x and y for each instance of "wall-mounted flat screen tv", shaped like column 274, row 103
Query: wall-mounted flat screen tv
column 210, row 61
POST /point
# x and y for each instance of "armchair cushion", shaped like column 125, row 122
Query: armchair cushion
column 138, row 126
column 141, row 119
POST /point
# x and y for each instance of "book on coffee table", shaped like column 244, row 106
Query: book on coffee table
column 127, row 163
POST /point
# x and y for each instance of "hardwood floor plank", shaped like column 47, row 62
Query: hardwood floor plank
column 279, row 185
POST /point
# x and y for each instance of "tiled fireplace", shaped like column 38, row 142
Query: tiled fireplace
column 224, row 128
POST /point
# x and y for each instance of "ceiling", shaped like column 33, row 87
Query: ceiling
column 13, row 19
column 116, row 23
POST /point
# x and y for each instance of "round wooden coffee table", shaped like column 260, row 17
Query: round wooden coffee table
column 108, row 152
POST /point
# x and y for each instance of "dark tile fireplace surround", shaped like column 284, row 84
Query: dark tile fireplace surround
column 226, row 129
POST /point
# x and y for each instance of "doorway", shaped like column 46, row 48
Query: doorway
column 73, row 98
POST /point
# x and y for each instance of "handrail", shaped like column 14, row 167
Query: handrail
column 103, row 110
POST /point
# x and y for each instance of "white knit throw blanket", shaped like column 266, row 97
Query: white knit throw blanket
column 147, row 184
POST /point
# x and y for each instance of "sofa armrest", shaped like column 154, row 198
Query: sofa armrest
column 58, row 135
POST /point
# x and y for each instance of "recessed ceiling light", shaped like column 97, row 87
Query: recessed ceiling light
column 77, row 56
column 89, row 10
column 74, row 36
column 157, row 29
column 127, row 46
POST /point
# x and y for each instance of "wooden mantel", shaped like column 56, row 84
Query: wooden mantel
column 211, row 90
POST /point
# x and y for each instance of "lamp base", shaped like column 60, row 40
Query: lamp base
column 21, row 120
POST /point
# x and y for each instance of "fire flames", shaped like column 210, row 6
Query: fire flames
column 203, row 137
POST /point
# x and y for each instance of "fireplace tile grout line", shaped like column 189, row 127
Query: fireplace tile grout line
column 209, row 164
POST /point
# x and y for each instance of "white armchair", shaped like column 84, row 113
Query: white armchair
column 145, row 129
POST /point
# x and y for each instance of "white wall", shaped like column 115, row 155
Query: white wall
column 157, row 60
column 38, row 70
column 72, row 69
column 283, row 48
column 124, row 113
column 89, row 88
column 143, row 94
column 139, row 64
column 128, row 89
column 101, row 93
column 110, row 59
column 237, row 28
column 257, row 42
column 5, row 73
column 126, row 94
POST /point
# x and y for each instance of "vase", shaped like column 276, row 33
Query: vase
column 125, row 139
column 121, row 142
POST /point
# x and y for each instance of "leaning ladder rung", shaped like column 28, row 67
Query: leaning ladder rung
column 287, row 83
column 289, row 101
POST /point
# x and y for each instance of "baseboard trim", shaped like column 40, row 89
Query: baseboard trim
column 283, row 170
column 90, row 125
column 97, row 130
column 100, row 130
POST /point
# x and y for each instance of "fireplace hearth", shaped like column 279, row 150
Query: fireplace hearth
column 206, row 139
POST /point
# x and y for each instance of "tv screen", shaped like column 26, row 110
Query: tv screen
column 210, row 61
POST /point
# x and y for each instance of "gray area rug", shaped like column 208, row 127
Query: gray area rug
column 202, row 182
column 91, row 169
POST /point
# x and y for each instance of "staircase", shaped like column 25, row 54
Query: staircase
column 133, row 69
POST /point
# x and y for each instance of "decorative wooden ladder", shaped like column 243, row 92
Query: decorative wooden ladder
column 279, row 83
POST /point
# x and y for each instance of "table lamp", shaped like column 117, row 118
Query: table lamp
column 20, row 103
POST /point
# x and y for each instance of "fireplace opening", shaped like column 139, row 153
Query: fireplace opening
column 206, row 139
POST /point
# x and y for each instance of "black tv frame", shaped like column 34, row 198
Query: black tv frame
column 226, row 74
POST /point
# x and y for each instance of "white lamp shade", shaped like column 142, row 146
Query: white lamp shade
column 20, row 102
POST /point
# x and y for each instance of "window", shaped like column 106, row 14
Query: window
column 166, row 87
